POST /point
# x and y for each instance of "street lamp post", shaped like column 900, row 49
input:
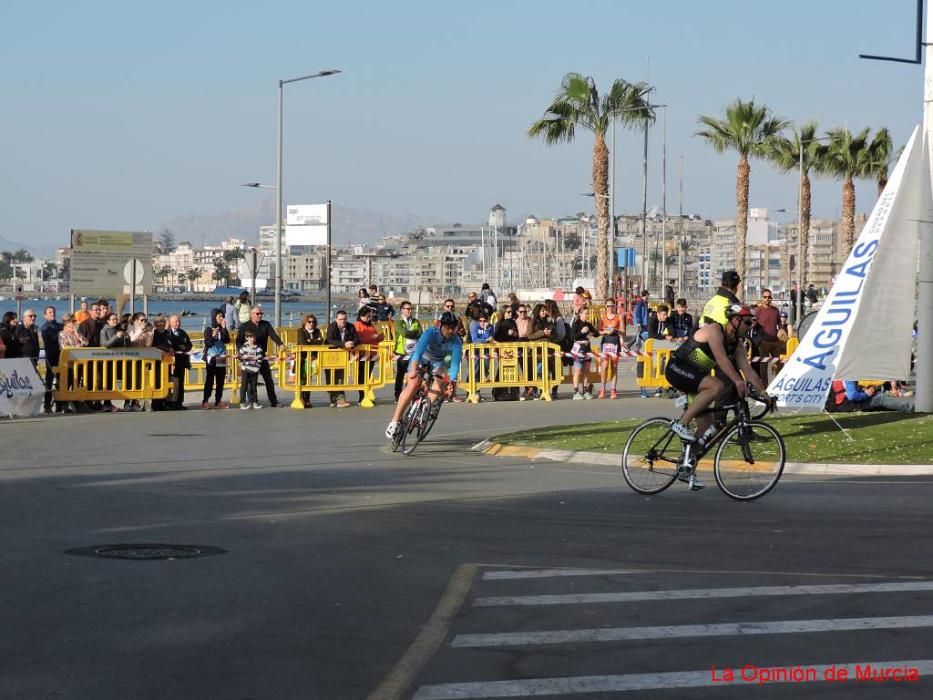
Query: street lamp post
column 279, row 277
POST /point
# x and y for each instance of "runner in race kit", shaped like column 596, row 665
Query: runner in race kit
column 712, row 347
column 432, row 350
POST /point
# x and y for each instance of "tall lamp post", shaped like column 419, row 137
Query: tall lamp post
column 278, row 196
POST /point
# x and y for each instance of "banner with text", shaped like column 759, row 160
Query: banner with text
column 805, row 380
column 21, row 390
column 306, row 224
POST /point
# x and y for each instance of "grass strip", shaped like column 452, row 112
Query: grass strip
column 877, row 438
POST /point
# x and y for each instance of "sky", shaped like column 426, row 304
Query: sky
column 124, row 115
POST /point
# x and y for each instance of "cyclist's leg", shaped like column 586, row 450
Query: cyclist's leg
column 439, row 385
column 414, row 383
column 709, row 390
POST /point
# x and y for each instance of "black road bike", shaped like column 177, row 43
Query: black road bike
column 749, row 454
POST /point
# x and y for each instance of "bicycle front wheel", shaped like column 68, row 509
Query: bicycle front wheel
column 650, row 457
column 431, row 419
column 749, row 461
column 414, row 426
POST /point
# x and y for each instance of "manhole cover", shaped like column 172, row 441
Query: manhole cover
column 176, row 434
column 146, row 551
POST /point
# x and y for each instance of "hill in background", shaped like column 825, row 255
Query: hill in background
column 350, row 225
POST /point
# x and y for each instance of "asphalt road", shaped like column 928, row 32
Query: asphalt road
column 351, row 572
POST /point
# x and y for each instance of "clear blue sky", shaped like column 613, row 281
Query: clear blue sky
column 122, row 115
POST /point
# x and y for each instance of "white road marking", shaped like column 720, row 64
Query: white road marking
column 677, row 631
column 548, row 573
column 701, row 593
column 656, row 681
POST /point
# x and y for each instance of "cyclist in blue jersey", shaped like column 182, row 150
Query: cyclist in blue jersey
column 433, row 347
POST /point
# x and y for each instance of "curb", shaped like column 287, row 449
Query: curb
column 495, row 449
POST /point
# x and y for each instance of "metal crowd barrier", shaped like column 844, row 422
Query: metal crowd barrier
column 507, row 365
column 99, row 374
column 317, row 368
column 197, row 373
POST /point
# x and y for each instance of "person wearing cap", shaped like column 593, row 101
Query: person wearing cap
column 715, row 309
column 712, row 347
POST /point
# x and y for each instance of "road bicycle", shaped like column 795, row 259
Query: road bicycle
column 420, row 416
column 749, row 454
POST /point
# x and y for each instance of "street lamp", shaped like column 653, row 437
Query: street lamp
column 278, row 194
column 258, row 185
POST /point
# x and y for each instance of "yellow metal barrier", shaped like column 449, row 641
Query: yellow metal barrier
column 649, row 373
column 197, row 373
column 99, row 374
column 289, row 335
column 792, row 344
column 507, row 365
column 387, row 328
column 315, row 368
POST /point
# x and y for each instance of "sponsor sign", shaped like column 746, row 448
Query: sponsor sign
column 102, row 262
column 306, row 224
column 104, row 354
column 21, row 390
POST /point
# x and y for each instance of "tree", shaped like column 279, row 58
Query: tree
column 784, row 152
column 6, row 265
column 64, row 272
column 846, row 157
column 221, row 271
column 881, row 154
column 22, row 256
column 745, row 128
column 166, row 242
column 194, row 274
column 579, row 104
column 49, row 270
column 572, row 241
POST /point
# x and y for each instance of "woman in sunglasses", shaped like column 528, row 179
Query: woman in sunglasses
column 712, row 347
column 308, row 334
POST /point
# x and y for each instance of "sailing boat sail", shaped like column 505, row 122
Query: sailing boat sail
column 863, row 328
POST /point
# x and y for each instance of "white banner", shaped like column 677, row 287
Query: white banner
column 21, row 390
column 806, row 378
column 306, row 224
column 306, row 215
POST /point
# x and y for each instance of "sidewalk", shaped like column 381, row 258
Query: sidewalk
column 612, row 459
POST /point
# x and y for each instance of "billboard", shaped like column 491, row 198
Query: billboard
column 103, row 262
column 306, row 224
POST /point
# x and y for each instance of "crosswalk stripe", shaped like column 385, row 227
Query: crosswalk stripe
column 700, row 593
column 657, row 681
column 552, row 573
column 675, row 631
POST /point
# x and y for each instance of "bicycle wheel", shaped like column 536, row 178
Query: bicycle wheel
column 433, row 412
column 749, row 461
column 650, row 457
column 414, row 426
column 399, row 436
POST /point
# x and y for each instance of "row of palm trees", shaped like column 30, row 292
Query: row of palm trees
column 751, row 130
column 748, row 128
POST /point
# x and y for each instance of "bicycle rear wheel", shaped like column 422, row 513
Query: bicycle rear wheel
column 650, row 457
column 414, row 426
column 749, row 461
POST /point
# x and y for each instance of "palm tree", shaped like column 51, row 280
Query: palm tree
column 881, row 155
column 579, row 104
column 847, row 157
column 745, row 128
column 784, row 152
column 193, row 275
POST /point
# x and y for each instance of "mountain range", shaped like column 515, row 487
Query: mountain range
column 350, row 225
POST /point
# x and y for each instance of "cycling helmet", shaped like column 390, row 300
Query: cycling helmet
column 740, row 310
column 449, row 318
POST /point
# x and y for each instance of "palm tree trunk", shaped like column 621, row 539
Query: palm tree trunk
column 741, row 215
column 882, row 182
column 848, row 216
column 601, row 191
column 802, row 264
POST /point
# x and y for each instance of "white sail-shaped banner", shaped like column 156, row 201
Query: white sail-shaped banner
column 863, row 328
